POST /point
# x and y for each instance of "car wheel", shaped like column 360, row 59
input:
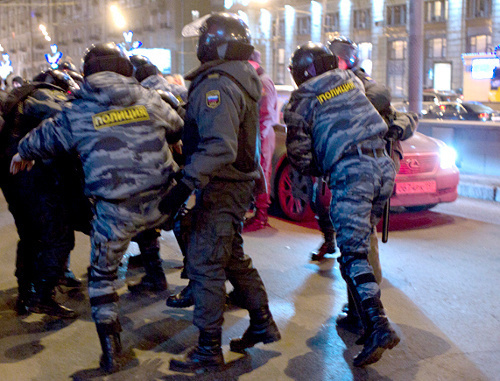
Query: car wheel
column 419, row 208
column 294, row 194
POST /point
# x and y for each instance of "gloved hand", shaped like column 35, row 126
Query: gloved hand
column 174, row 199
column 395, row 132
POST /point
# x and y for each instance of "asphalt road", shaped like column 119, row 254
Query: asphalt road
column 440, row 289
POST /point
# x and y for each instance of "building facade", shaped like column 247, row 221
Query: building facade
column 380, row 27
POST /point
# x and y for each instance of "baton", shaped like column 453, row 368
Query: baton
column 387, row 207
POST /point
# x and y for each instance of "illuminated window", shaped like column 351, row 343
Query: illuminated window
column 436, row 48
column 396, row 15
column 362, row 19
column 479, row 44
column 436, row 11
column 397, row 50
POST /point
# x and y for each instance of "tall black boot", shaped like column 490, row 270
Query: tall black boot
column 45, row 302
column 206, row 356
column 262, row 329
column 109, row 336
column 379, row 337
column 154, row 280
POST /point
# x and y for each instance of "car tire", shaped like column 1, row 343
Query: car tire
column 419, row 208
column 294, row 193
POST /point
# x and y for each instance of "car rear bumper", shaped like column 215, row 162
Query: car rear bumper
column 446, row 190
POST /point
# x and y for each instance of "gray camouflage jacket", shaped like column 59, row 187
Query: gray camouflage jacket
column 327, row 116
column 119, row 129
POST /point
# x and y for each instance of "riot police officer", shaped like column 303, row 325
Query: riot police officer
column 400, row 127
column 121, row 132
column 326, row 138
column 221, row 144
column 40, row 200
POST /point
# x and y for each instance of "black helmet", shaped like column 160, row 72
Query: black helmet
column 106, row 57
column 346, row 49
column 143, row 67
column 58, row 78
column 224, row 36
column 310, row 60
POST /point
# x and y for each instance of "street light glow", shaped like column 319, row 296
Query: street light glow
column 118, row 18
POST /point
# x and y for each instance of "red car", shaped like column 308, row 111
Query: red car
column 428, row 176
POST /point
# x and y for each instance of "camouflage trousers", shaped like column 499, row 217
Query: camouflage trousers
column 215, row 253
column 113, row 227
column 360, row 185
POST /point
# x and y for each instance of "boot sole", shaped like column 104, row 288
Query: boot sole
column 377, row 353
column 269, row 340
column 37, row 310
column 176, row 367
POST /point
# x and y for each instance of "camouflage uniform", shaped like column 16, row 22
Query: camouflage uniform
column 334, row 130
column 39, row 199
column 157, row 82
column 120, row 131
column 220, row 141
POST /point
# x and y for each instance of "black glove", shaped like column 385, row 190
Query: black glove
column 174, row 199
column 395, row 132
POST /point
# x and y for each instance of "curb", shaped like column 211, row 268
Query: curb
column 480, row 187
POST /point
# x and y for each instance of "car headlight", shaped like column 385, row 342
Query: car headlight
column 447, row 157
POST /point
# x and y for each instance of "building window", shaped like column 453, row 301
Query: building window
column 436, row 48
column 396, row 15
column 332, row 22
column 479, row 44
column 478, row 8
column 397, row 50
column 362, row 19
column 436, row 11
column 396, row 68
column 303, row 25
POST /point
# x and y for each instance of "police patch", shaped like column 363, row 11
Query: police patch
column 213, row 98
column 120, row 116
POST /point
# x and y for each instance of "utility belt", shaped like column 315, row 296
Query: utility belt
column 358, row 150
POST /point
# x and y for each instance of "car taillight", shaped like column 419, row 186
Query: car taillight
column 483, row 116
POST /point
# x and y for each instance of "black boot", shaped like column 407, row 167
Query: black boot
column 206, row 356
column 154, row 280
column 380, row 336
column 262, row 329
column 109, row 336
column 45, row 302
column 183, row 299
column 25, row 297
column 349, row 318
column 70, row 280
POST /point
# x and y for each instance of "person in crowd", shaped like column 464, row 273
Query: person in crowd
column 70, row 68
column 347, row 145
column 400, row 127
column 18, row 81
column 121, row 131
column 42, row 200
column 268, row 109
column 177, row 86
column 221, row 145
column 148, row 241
